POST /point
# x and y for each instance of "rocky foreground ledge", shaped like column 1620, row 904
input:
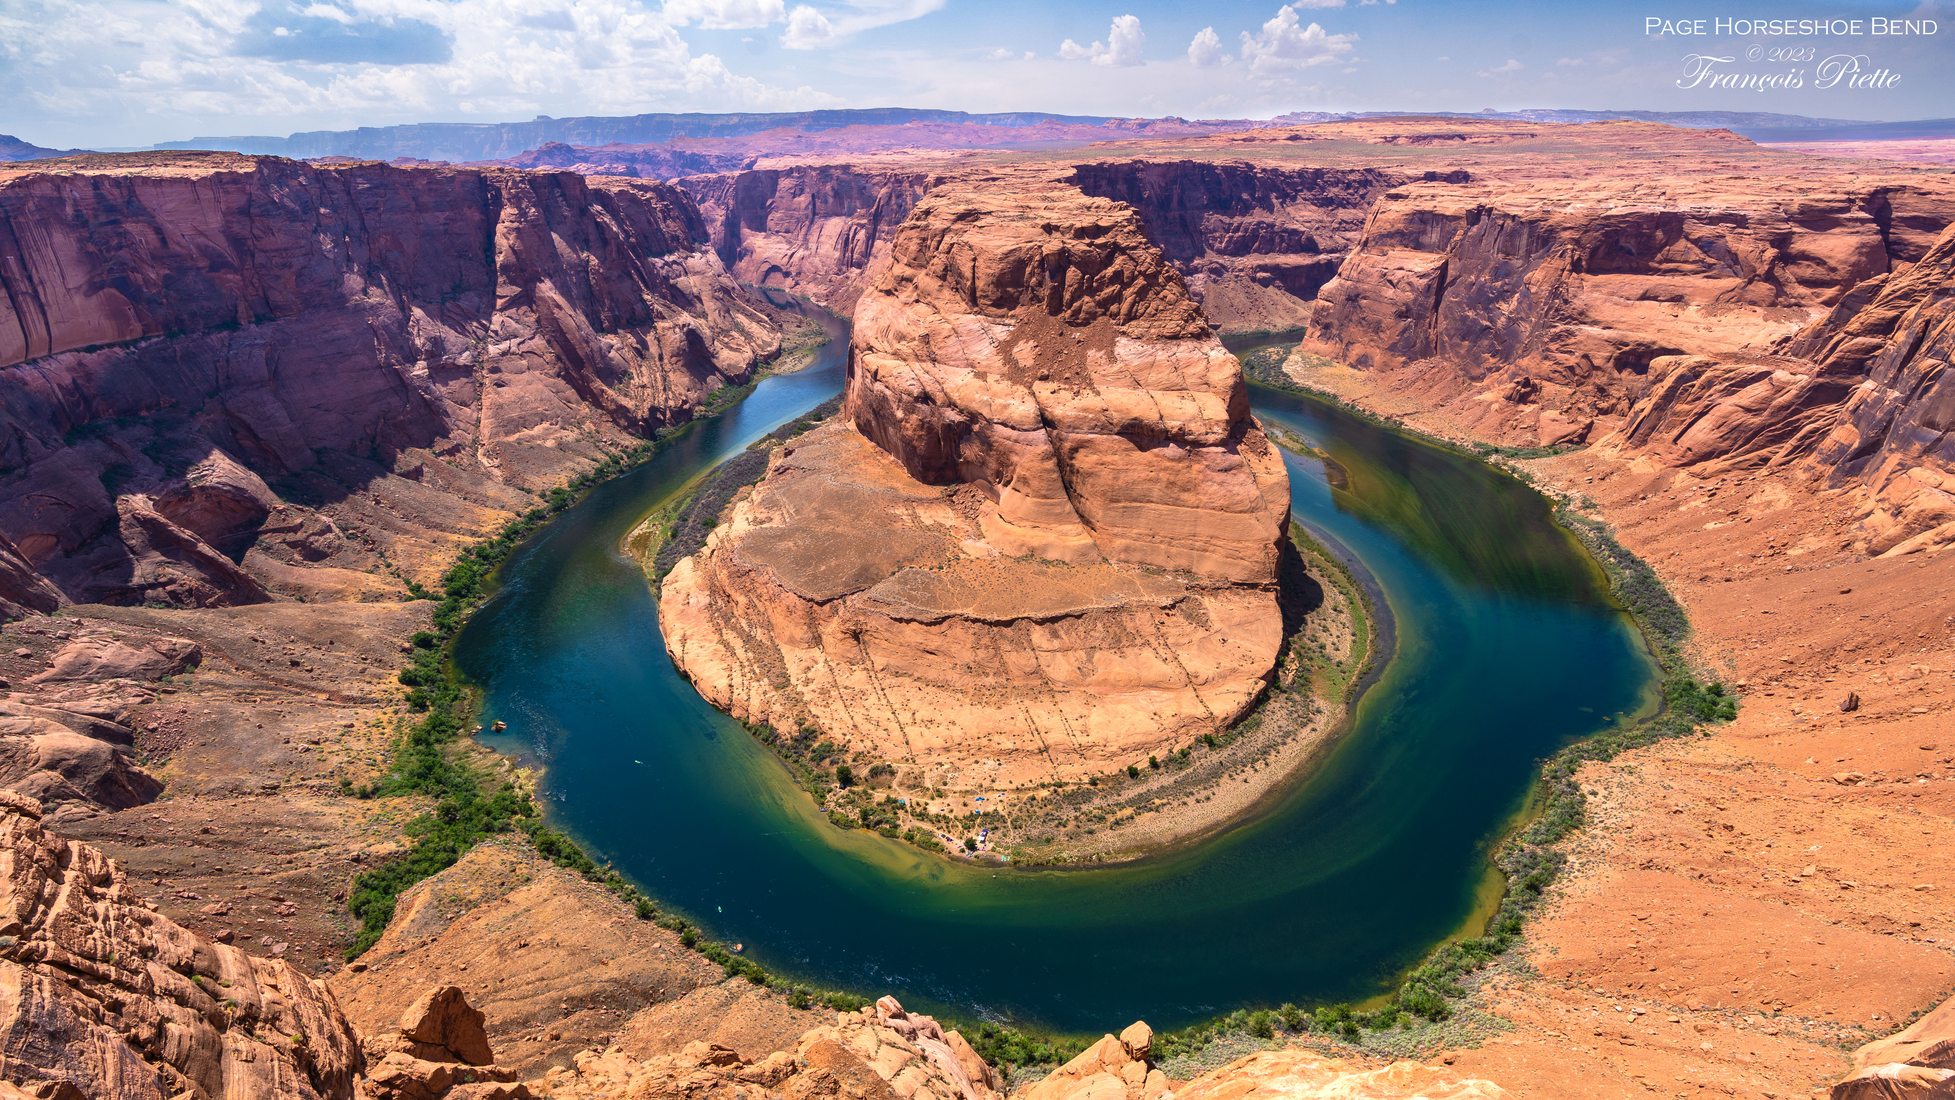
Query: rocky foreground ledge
column 100, row 996
column 1040, row 543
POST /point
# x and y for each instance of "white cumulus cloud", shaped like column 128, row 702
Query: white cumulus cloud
column 1511, row 65
column 132, row 72
column 1124, row 41
column 807, row 29
column 725, row 15
column 1285, row 44
column 1205, row 48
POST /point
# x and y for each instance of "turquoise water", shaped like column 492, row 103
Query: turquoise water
column 1507, row 648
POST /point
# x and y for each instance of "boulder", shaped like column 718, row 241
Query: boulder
column 440, row 1052
column 442, row 1026
column 879, row 1053
column 93, row 658
column 1111, row 1069
column 1307, row 1075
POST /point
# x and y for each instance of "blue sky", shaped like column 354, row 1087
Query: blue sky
column 132, row 72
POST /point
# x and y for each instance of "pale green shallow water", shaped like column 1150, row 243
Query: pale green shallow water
column 1508, row 647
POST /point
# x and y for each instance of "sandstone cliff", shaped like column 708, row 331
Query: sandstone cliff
column 1561, row 294
column 810, row 229
column 1896, row 432
column 1854, row 400
column 102, row 997
column 1253, row 241
column 1732, row 309
column 1256, row 241
column 224, row 378
column 1041, row 541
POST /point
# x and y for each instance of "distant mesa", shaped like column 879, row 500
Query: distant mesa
column 757, row 134
column 13, row 150
column 486, row 141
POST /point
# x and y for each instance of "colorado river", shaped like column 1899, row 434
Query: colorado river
column 1508, row 647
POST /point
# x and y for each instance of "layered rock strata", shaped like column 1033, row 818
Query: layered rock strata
column 101, row 996
column 1040, row 542
column 1747, row 311
column 1256, row 242
column 1856, row 398
column 1895, row 436
column 811, row 229
column 1564, row 292
column 224, row 378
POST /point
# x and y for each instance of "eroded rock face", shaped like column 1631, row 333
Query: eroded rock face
column 224, row 378
column 1856, row 398
column 1038, row 349
column 1256, row 242
column 1896, row 433
column 1917, row 1063
column 880, row 1053
column 1253, row 241
column 1564, row 299
column 76, row 744
column 102, row 997
column 812, row 229
column 22, row 590
column 1041, row 541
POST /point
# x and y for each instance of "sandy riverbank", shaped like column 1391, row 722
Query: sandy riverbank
column 1325, row 667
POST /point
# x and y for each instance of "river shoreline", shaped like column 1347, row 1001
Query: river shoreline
column 1182, row 799
column 577, row 824
column 1261, row 760
column 1524, row 856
